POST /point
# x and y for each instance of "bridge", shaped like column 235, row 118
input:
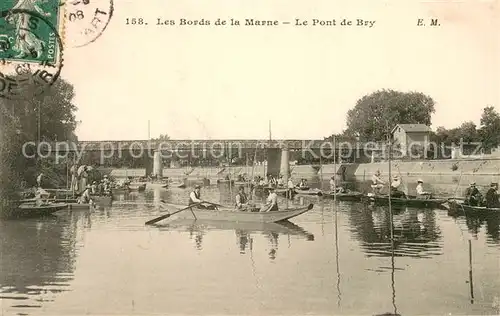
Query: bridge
column 200, row 145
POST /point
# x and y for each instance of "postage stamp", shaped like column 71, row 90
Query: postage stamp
column 30, row 46
column 86, row 20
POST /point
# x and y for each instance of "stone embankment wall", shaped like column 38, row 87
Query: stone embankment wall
column 445, row 171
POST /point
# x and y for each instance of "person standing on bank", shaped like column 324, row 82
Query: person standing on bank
column 39, row 180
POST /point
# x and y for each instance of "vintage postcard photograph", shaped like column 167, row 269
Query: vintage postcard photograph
column 264, row 157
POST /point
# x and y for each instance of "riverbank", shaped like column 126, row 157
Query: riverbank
column 448, row 167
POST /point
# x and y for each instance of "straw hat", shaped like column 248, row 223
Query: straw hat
column 420, row 181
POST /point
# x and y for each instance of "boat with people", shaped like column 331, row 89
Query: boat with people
column 344, row 196
column 408, row 200
column 457, row 206
column 233, row 215
column 137, row 186
column 33, row 209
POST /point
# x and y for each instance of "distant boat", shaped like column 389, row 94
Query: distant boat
column 30, row 210
column 136, row 186
column 462, row 209
column 410, row 201
column 348, row 196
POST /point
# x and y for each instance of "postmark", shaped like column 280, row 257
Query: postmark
column 86, row 20
column 30, row 47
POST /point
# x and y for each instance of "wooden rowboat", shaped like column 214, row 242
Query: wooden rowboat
column 102, row 200
column 232, row 215
column 29, row 210
column 137, row 187
column 462, row 209
column 348, row 196
column 410, row 201
column 309, row 191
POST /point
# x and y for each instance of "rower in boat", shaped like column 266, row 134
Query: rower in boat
column 491, row 198
column 241, row 199
column 377, row 183
column 395, row 185
column 271, row 202
column 334, row 187
column 421, row 194
column 472, row 195
column 272, row 181
column 85, row 197
column 280, row 181
column 303, row 184
column 195, row 197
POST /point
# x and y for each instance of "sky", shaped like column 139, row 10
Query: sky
column 208, row 82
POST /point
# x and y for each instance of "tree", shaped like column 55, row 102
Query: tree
column 53, row 111
column 162, row 137
column 490, row 127
column 373, row 114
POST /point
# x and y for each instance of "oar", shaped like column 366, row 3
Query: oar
column 150, row 222
column 215, row 204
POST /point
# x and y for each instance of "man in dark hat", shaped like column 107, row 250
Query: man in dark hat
column 241, row 199
column 472, row 195
column 491, row 197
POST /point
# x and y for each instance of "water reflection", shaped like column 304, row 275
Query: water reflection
column 243, row 231
column 416, row 233
column 475, row 222
column 36, row 260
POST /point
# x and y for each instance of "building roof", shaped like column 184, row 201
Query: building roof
column 413, row 128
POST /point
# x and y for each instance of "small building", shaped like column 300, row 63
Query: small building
column 412, row 139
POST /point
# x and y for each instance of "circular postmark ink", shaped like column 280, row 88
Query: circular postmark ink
column 86, row 20
column 30, row 53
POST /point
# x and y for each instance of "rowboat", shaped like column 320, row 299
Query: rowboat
column 102, row 200
column 410, row 201
column 120, row 190
column 348, row 196
column 29, row 210
column 460, row 208
column 308, row 191
column 232, row 215
column 225, row 181
column 137, row 187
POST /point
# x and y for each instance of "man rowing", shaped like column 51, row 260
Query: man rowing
column 491, row 197
column 241, row 199
column 395, row 185
column 271, row 202
column 377, row 183
column 195, row 198
column 472, row 195
column 334, row 187
column 421, row 194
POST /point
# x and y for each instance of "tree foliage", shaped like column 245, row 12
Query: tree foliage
column 162, row 137
column 490, row 127
column 376, row 113
column 48, row 116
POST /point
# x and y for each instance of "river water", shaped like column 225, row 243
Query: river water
column 336, row 259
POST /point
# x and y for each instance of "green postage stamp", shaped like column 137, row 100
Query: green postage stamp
column 29, row 30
